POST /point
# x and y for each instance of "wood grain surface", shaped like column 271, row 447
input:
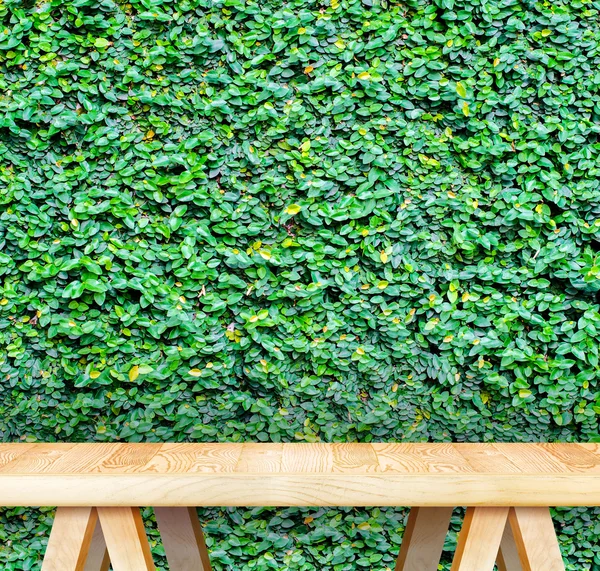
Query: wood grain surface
column 251, row 474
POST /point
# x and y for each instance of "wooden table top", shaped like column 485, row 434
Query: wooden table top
column 250, row 474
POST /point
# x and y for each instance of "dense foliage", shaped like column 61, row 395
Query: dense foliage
column 302, row 220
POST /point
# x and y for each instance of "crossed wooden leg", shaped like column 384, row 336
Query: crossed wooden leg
column 92, row 539
column 519, row 539
column 529, row 542
column 182, row 539
column 516, row 539
column 423, row 539
column 74, row 537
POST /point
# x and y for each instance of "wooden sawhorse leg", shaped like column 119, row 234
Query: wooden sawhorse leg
column 479, row 539
column 423, row 539
column 529, row 542
column 518, row 539
column 91, row 539
column 182, row 539
column 76, row 542
column 126, row 540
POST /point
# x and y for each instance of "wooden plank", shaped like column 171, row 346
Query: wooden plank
column 184, row 458
column 258, row 458
column 251, row 489
column 532, row 458
column 8, row 452
column 182, row 539
column 508, row 556
column 535, row 539
column 126, row 539
column 427, row 475
column 36, row 459
column 479, row 539
column 400, row 458
column 577, row 458
column 97, row 559
column 70, row 539
column 486, row 457
column 306, row 457
column 348, row 458
column 268, row 458
column 423, row 539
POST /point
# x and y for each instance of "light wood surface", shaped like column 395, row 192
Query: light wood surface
column 70, row 539
column 97, row 559
column 508, row 556
column 535, row 539
column 479, row 539
column 126, row 539
column 182, row 539
column 423, row 539
column 252, row 474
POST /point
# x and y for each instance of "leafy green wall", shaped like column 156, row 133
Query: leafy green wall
column 302, row 220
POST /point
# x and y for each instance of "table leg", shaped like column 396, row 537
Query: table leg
column 535, row 539
column 70, row 539
column 479, row 539
column 126, row 539
column 182, row 539
column 97, row 559
column 508, row 556
column 423, row 539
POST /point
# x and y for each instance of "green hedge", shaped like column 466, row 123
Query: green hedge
column 302, row 220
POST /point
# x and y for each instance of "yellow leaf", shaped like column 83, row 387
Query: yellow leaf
column 448, row 338
column 546, row 32
column 524, row 393
column 340, row 43
column 308, row 520
column 496, row 62
column 465, row 109
column 194, row 372
column 305, row 147
column 383, row 256
column 134, row 373
column 364, row 75
column 461, row 90
column 301, row 31
column 360, row 351
column 364, row 525
column 265, row 255
column 150, row 134
column 308, row 69
column 465, row 296
column 3, row 301
column 94, row 374
column 293, row 209
column 382, row 284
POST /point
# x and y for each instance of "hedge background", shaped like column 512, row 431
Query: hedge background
column 301, row 220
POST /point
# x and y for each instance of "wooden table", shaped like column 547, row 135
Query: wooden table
column 507, row 489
